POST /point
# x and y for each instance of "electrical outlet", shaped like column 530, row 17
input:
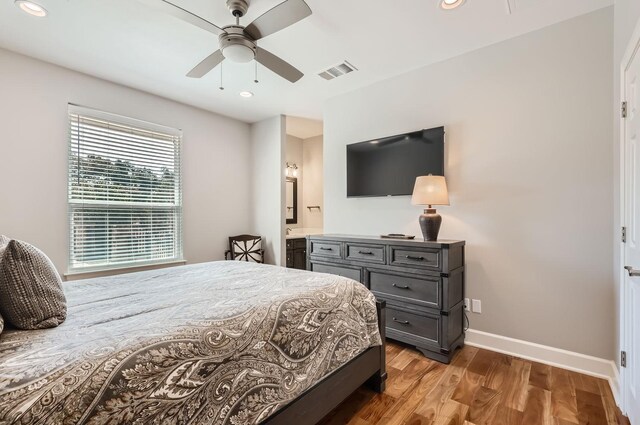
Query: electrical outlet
column 477, row 306
column 467, row 304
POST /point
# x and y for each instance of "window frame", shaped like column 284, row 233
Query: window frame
column 72, row 205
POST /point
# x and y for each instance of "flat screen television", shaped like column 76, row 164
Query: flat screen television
column 389, row 166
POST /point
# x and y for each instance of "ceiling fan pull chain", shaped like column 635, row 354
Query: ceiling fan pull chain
column 221, row 84
column 256, row 76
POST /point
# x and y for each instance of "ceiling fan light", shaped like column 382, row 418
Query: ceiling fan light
column 238, row 53
column 31, row 8
column 451, row 4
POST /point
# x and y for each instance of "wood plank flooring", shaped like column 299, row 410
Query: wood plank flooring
column 479, row 387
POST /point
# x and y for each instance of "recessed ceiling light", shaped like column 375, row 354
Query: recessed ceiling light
column 31, row 8
column 246, row 94
column 451, row 4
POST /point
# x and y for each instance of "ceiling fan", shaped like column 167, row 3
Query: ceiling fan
column 239, row 43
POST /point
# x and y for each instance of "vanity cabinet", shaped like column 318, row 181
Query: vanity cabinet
column 421, row 282
column 297, row 253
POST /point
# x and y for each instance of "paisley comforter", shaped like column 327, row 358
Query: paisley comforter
column 214, row 343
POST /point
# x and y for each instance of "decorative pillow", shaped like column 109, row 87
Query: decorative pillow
column 250, row 250
column 4, row 241
column 31, row 294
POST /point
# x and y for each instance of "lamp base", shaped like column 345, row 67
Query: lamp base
column 430, row 223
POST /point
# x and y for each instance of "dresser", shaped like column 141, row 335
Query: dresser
column 297, row 253
column 422, row 283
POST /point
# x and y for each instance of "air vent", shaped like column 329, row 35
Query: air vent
column 337, row 71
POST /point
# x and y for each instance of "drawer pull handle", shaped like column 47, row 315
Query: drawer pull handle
column 400, row 286
column 365, row 252
column 326, row 249
column 402, row 322
column 411, row 257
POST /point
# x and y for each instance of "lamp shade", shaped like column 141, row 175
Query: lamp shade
column 430, row 190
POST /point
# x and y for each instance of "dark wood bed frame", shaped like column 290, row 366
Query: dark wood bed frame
column 315, row 403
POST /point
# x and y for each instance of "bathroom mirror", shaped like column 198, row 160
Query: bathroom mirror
column 292, row 200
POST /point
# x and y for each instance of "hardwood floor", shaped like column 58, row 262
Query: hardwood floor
column 479, row 387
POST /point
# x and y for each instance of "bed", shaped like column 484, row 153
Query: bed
column 215, row 343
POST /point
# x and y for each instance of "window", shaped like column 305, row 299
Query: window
column 125, row 193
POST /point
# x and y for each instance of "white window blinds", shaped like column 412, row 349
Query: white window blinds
column 125, row 193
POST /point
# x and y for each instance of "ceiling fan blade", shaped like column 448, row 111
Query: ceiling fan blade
column 184, row 15
column 283, row 15
column 277, row 65
column 206, row 65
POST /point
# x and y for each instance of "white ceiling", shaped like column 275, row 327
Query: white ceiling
column 129, row 43
column 303, row 128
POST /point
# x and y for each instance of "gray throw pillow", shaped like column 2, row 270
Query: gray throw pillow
column 4, row 241
column 31, row 295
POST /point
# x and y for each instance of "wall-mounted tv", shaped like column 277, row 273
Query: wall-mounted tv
column 389, row 166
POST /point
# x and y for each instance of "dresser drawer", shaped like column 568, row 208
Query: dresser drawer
column 422, row 283
column 325, row 249
column 428, row 258
column 365, row 252
column 424, row 290
column 354, row 273
column 424, row 326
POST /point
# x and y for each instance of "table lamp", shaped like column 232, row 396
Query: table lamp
column 430, row 190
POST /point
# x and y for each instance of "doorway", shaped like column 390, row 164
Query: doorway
column 304, row 187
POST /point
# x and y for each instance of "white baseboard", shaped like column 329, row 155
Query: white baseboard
column 564, row 359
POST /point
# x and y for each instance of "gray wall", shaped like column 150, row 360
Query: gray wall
column 34, row 146
column 312, row 168
column 529, row 167
column 268, row 141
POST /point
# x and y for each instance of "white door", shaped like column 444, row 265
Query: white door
column 631, row 294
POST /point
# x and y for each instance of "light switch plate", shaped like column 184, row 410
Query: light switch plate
column 476, row 306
